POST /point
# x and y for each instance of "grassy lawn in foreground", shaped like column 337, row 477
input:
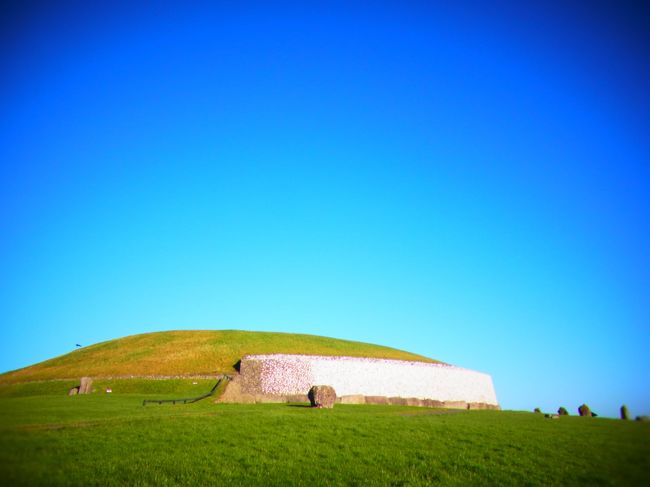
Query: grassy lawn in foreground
column 113, row 439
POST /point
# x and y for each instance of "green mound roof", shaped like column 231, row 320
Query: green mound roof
column 188, row 353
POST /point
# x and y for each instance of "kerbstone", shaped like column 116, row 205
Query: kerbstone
column 322, row 396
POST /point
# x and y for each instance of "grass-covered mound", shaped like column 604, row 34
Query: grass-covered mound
column 190, row 353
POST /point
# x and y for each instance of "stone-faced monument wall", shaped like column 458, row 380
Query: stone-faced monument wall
column 285, row 375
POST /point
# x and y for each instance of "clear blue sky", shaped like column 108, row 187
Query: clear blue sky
column 468, row 183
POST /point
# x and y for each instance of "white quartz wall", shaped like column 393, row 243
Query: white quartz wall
column 295, row 374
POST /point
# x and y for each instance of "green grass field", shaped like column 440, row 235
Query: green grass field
column 187, row 353
column 111, row 439
column 48, row 438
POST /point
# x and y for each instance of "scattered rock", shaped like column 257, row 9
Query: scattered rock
column 322, row 396
column 86, row 384
column 585, row 411
column 643, row 418
column 74, row 391
column 562, row 411
column 552, row 416
column 625, row 414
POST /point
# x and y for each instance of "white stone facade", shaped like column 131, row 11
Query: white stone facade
column 281, row 374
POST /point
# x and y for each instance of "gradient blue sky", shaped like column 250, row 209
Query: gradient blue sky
column 470, row 183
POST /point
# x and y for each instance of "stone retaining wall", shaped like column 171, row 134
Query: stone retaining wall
column 441, row 384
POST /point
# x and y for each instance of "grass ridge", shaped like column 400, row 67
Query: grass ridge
column 187, row 353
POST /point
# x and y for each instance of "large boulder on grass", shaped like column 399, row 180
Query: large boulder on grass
column 584, row 410
column 322, row 396
column 562, row 411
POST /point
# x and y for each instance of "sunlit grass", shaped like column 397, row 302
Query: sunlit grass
column 113, row 439
column 178, row 353
column 167, row 387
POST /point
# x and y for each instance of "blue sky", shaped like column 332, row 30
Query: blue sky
column 468, row 183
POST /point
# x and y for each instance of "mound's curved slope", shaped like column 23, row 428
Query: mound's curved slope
column 187, row 353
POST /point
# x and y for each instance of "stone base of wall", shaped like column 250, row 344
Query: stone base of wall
column 414, row 401
column 352, row 399
column 234, row 394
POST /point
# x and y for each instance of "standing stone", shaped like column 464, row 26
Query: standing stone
column 562, row 411
column 537, row 410
column 86, row 384
column 584, row 410
column 322, row 396
column 625, row 414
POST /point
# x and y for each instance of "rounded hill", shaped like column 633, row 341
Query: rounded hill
column 191, row 353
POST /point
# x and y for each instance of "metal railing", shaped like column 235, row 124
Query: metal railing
column 188, row 400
